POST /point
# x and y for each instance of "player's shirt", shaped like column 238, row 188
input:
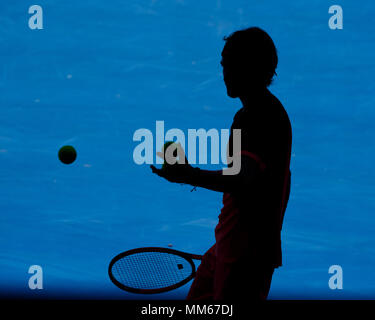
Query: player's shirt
column 250, row 221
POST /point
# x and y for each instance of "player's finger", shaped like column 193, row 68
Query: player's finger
column 155, row 170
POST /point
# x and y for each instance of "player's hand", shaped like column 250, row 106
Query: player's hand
column 178, row 172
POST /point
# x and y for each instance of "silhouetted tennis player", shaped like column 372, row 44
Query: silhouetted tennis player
column 240, row 265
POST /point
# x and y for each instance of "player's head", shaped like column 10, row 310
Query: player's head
column 249, row 61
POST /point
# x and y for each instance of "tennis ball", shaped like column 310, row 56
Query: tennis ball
column 67, row 154
column 165, row 147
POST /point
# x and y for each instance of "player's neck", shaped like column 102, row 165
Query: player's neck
column 253, row 96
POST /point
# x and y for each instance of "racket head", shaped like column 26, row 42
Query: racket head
column 151, row 270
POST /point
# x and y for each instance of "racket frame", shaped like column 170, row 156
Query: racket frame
column 187, row 256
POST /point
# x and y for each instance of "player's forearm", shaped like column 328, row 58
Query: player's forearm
column 214, row 180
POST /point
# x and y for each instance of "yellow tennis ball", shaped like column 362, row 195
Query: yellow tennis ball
column 67, row 154
column 165, row 147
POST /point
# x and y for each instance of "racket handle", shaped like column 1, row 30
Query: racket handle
column 196, row 256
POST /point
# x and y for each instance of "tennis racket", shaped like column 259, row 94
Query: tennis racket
column 152, row 269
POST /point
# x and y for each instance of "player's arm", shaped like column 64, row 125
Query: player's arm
column 221, row 180
column 224, row 180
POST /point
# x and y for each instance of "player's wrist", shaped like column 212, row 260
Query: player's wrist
column 192, row 176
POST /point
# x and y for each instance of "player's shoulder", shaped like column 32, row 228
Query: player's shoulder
column 277, row 110
column 267, row 111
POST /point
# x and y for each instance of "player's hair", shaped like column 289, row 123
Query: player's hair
column 253, row 49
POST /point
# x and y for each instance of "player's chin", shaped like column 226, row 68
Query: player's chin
column 232, row 93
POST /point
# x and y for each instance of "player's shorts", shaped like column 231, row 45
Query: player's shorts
column 237, row 281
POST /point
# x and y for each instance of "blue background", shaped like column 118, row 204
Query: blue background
column 100, row 70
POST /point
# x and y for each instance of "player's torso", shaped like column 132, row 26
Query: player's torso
column 252, row 216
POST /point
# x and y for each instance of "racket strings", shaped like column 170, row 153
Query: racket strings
column 151, row 270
